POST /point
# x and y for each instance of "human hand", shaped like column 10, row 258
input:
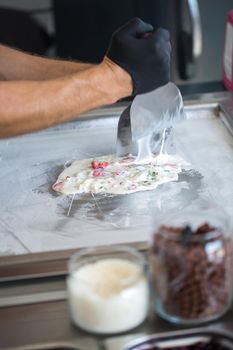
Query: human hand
column 145, row 57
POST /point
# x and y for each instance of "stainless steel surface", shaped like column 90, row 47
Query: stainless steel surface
column 227, row 113
column 171, row 339
column 189, row 39
column 34, row 218
column 197, row 29
column 80, row 344
column 42, row 319
column 120, row 342
column 48, row 324
column 45, row 325
column 25, row 291
column 38, row 265
column 32, row 298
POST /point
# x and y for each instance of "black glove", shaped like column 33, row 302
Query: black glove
column 145, row 57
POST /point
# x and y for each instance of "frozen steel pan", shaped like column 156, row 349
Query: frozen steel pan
column 34, row 219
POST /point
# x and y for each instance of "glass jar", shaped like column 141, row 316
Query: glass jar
column 191, row 265
column 107, row 289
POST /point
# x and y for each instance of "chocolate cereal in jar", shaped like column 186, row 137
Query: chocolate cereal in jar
column 191, row 261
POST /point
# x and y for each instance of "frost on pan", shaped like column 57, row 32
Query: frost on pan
column 34, row 218
column 113, row 175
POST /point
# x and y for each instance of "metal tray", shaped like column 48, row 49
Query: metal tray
column 179, row 340
column 34, row 313
column 80, row 344
column 33, row 219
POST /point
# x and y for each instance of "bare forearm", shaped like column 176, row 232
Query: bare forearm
column 17, row 65
column 27, row 106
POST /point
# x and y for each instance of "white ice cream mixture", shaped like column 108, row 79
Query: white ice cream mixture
column 110, row 295
column 113, row 175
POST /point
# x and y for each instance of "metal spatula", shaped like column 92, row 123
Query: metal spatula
column 150, row 112
column 125, row 145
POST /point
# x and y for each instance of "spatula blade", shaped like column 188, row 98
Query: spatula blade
column 125, row 145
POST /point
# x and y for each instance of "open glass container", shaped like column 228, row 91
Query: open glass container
column 191, row 264
column 108, row 289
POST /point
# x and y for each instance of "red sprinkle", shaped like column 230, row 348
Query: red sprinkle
column 97, row 173
column 57, row 186
column 103, row 164
column 96, row 165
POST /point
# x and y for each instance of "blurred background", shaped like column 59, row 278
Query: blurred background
column 81, row 30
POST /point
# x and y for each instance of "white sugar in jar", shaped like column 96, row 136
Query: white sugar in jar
column 107, row 289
